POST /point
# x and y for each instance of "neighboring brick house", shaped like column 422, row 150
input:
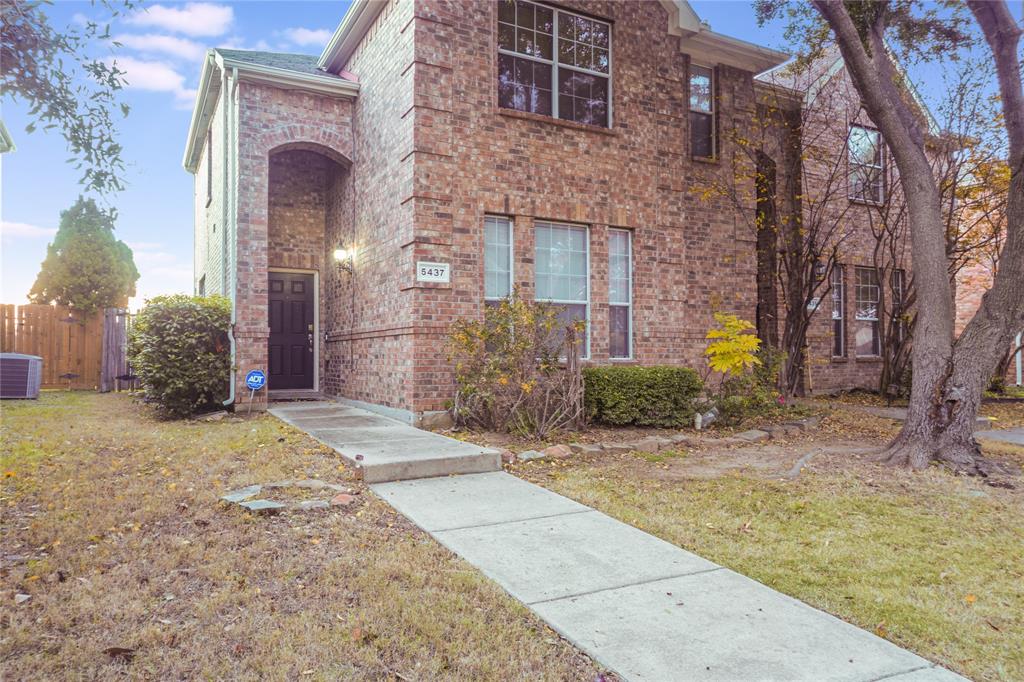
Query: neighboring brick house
column 844, row 190
column 972, row 281
column 442, row 152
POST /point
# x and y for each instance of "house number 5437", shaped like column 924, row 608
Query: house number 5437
column 433, row 272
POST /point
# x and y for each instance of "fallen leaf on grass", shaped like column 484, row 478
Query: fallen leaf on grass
column 970, row 599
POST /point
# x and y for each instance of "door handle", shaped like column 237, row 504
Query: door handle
column 310, row 338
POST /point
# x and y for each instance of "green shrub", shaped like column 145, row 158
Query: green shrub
column 178, row 347
column 643, row 396
column 753, row 393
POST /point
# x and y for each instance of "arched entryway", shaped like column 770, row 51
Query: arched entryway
column 305, row 213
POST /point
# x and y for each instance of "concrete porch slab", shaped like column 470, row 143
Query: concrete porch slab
column 382, row 448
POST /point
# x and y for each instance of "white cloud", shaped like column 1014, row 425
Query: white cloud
column 140, row 74
column 12, row 230
column 239, row 43
column 193, row 18
column 308, row 36
column 154, row 42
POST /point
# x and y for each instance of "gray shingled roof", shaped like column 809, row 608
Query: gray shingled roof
column 300, row 63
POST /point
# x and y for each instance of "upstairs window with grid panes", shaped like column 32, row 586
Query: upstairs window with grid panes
column 553, row 62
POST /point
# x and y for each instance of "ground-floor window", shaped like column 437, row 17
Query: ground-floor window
column 838, row 312
column 866, row 294
column 562, row 272
column 497, row 258
column 620, row 294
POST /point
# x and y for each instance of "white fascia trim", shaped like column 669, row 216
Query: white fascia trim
column 708, row 47
column 350, row 31
column 683, row 20
column 284, row 78
column 732, row 51
column 200, row 115
column 6, row 141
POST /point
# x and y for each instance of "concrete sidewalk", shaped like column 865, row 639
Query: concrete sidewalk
column 638, row 605
column 385, row 449
column 1014, row 436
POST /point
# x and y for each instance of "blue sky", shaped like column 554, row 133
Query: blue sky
column 162, row 54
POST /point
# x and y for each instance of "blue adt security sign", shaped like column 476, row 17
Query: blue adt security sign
column 256, row 379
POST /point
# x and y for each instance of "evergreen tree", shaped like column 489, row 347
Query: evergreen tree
column 86, row 267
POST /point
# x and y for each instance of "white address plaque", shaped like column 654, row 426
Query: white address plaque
column 433, row 272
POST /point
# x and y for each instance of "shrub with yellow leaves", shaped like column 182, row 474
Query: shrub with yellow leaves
column 517, row 369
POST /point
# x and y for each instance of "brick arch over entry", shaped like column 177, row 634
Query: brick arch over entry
column 307, row 146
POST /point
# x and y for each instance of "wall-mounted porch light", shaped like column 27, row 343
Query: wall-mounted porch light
column 345, row 259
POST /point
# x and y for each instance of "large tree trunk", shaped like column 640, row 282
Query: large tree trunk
column 948, row 378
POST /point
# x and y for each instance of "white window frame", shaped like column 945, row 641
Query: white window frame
column 880, row 167
column 511, row 255
column 629, row 298
column 713, row 112
column 553, row 62
column 864, row 318
column 586, row 233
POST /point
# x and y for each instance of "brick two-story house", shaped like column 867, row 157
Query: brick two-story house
column 440, row 153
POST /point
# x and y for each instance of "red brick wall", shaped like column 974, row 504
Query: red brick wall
column 471, row 158
column 432, row 154
column 369, row 348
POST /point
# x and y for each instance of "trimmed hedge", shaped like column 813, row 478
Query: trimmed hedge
column 643, row 396
column 178, row 347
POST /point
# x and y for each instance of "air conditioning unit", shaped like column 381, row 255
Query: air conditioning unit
column 20, row 375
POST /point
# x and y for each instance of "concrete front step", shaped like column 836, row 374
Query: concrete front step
column 385, row 449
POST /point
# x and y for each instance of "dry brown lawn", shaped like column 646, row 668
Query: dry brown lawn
column 112, row 526
column 931, row 561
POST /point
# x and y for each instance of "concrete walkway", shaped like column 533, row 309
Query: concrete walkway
column 900, row 414
column 385, row 449
column 1014, row 436
column 638, row 605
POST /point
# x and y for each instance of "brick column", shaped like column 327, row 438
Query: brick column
column 252, row 326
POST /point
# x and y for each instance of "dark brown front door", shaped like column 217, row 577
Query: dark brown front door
column 291, row 330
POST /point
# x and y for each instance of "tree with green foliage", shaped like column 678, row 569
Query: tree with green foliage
column 949, row 373
column 86, row 267
column 65, row 85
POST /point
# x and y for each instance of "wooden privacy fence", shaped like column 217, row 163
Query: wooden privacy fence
column 77, row 352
